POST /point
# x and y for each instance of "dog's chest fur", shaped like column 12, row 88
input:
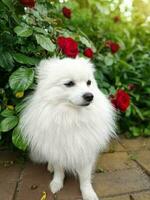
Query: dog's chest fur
column 66, row 136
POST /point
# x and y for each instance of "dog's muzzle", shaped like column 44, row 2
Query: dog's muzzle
column 88, row 98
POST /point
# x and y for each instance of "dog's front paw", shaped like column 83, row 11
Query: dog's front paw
column 90, row 196
column 55, row 186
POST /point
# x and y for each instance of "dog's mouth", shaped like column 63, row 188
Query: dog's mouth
column 85, row 104
column 80, row 105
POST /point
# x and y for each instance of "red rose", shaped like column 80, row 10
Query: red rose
column 114, row 47
column 116, row 19
column 61, row 42
column 28, row 3
column 71, row 48
column 68, row 46
column 88, row 52
column 121, row 100
column 66, row 12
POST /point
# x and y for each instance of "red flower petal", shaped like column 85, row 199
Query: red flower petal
column 114, row 47
column 88, row 52
column 122, row 100
column 68, row 46
column 61, row 42
column 71, row 48
column 66, row 12
column 28, row 3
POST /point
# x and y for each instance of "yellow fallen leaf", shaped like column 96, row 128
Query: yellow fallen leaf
column 10, row 107
column 44, row 196
column 19, row 94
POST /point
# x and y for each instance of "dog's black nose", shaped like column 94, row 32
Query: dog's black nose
column 88, row 96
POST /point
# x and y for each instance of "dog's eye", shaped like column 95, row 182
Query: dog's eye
column 88, row 82
column 69, row 84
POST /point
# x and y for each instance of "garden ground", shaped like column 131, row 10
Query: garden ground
column 122, row 173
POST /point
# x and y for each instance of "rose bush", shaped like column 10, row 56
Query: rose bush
column 32, row 30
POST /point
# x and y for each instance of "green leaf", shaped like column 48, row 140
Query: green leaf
column 23, row 31
column 112, row 90
column 135, row 131
column 146, row 132
column 8, row 3
column 23, row 59
column 128, row 112
column 99, row 75
column 6, row 61
column 108, row 60
column 147, row 90
column 125, row 64
column 105, row 84
column 45, row 42
column 7, row 113
column 8, row 123
column 85, row 41
column 18, row 140
column 146, row 113
column 40, row 30
column 21, row 79
column 139, row 112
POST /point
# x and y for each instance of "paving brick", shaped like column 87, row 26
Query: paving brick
column 136, row 144
column 121, row 182
column 114, row 146
column 121, row 176
column 122, row 197
column 109, row 184
column 9, row 174
column 34, row 181
column 141, row 196
column 143, row 158
column 114, row 161
column 9, row 156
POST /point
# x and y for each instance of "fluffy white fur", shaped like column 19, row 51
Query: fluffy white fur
column 59, row 129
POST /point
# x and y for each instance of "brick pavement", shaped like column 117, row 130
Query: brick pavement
column 122, row 173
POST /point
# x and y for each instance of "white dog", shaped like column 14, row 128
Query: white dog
column 68, row 121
